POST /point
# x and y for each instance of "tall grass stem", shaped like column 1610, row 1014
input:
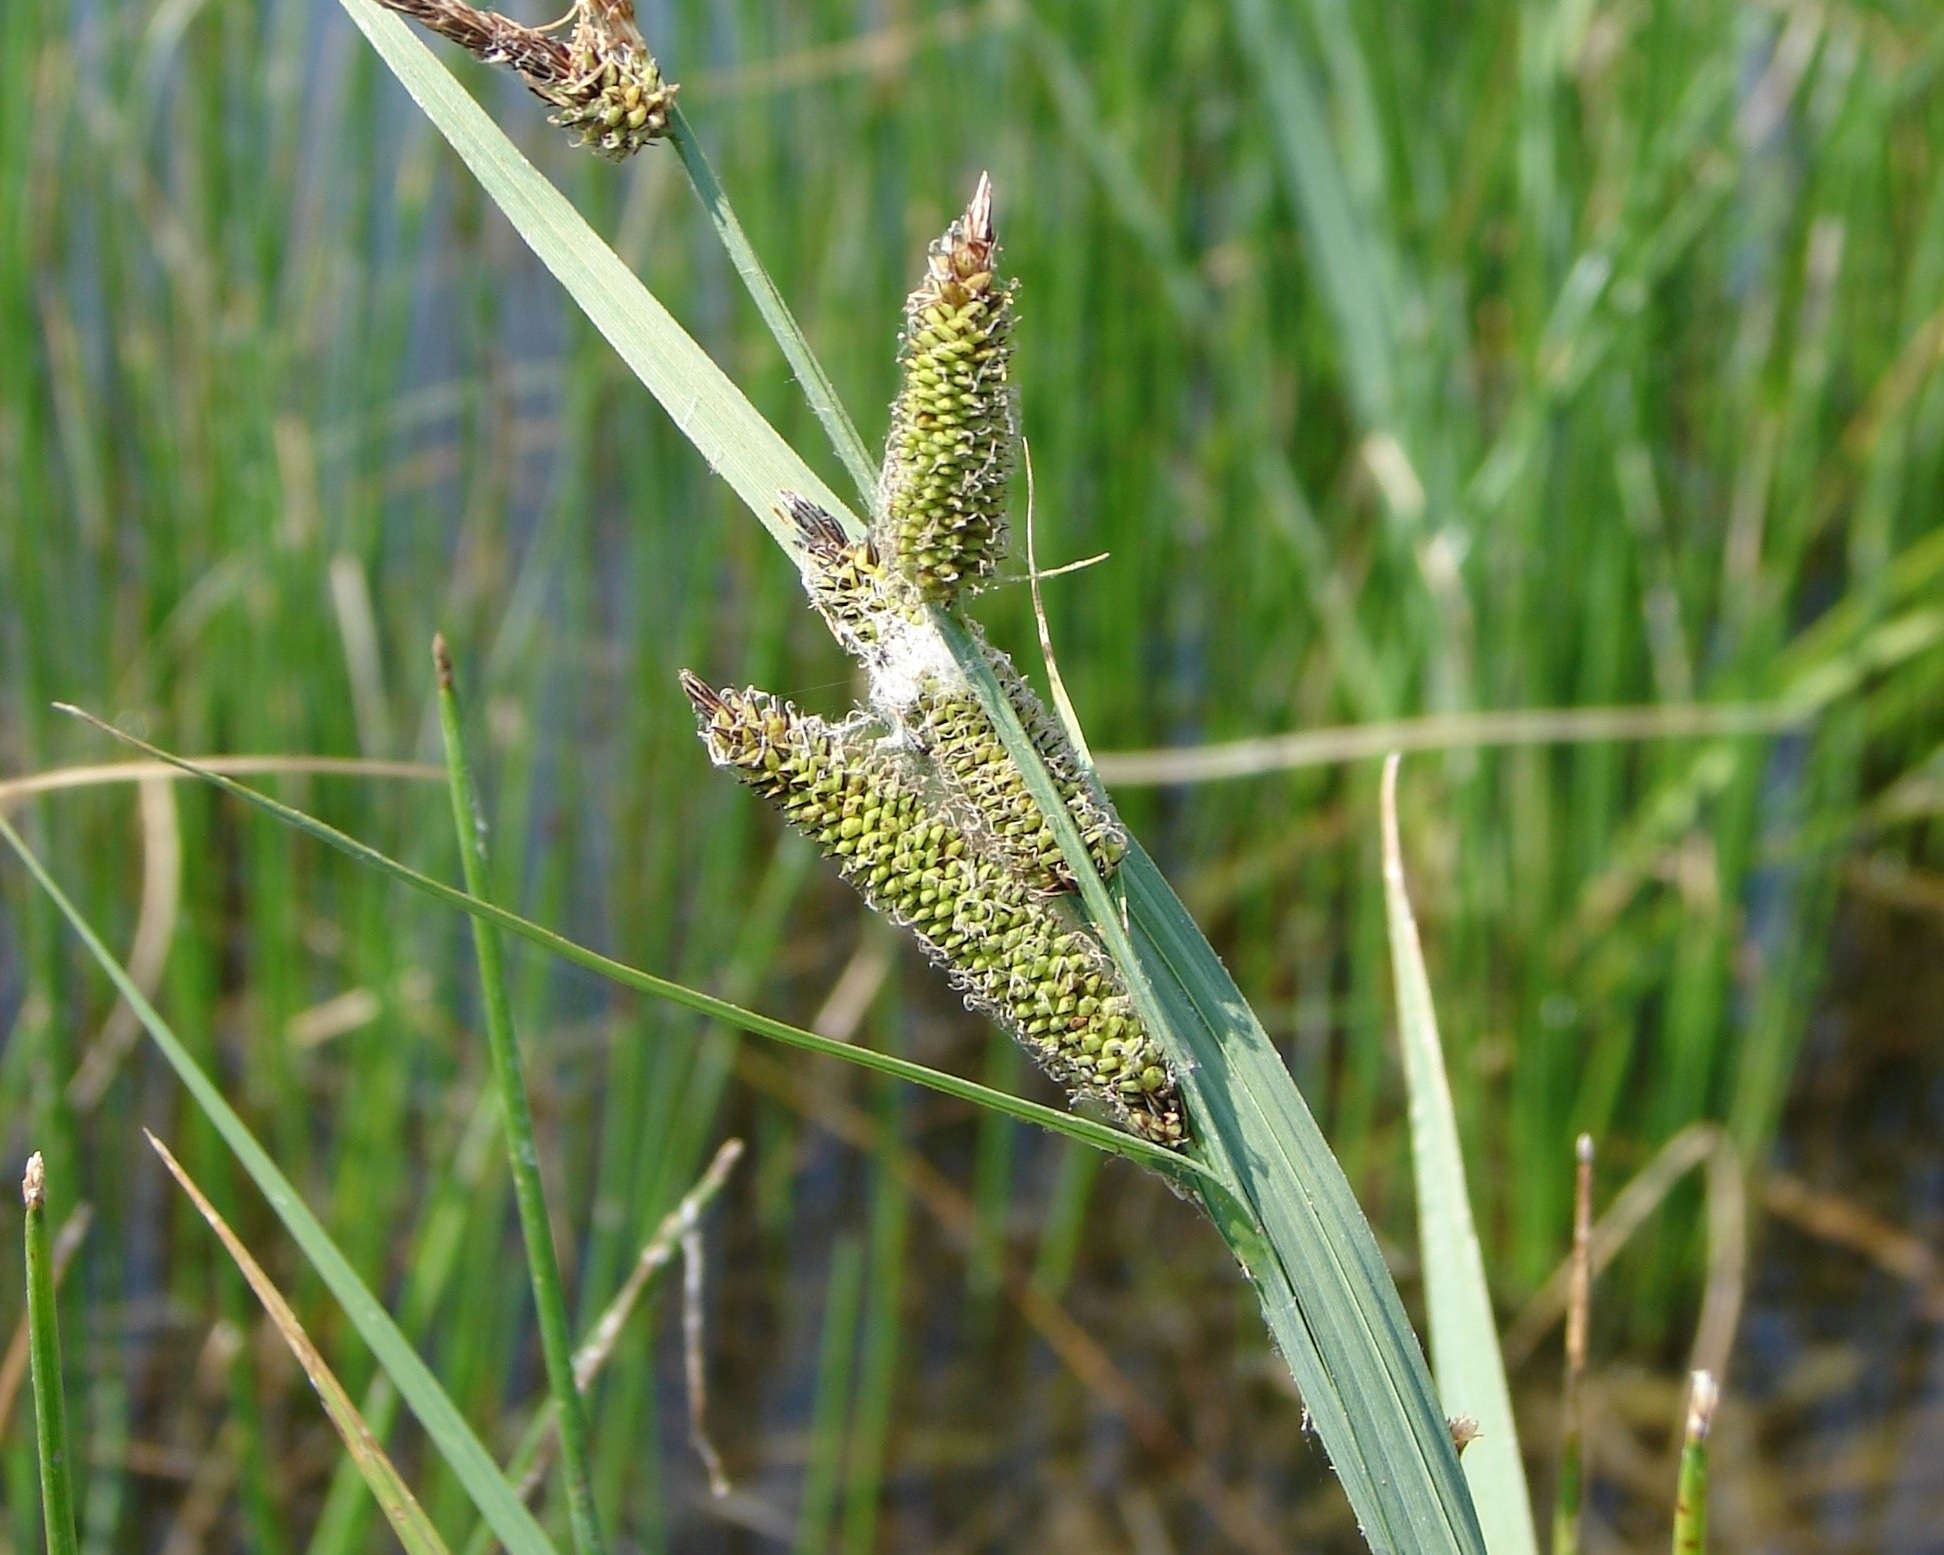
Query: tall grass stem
column 516, row 1114
column 1691, row 1495
column 50, row 1398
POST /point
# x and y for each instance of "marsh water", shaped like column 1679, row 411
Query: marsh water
column 1159, row 1421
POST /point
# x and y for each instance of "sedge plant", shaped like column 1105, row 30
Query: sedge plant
column 1326, row 1294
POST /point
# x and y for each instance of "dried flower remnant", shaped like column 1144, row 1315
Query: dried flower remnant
column 605, row 83
column 953, row 431
column 859, row 598
column 1011, row 954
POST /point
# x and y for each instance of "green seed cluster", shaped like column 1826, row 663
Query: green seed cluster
column 603, row 80
column 976, row 769
column 936, row 826
column 1009, row 951
column 950, row 455
column 616, row 101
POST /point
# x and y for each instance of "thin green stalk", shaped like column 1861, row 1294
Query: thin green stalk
column 517, row 1115
column 435, row 1255
column 1691, row 1496
column 50, row 1402
column 1174, row 1165
column 810, row 374
column 532, row 1457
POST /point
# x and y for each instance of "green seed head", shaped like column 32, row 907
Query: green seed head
column 953, row 430
column 868, row 804
column 614, row 98
column 984, row 784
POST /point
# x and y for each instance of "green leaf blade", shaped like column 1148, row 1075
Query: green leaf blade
column 1464, row 1334
column 443, row 1423
column 1327, row 1297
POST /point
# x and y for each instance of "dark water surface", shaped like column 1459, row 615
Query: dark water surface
column 1146, row 1414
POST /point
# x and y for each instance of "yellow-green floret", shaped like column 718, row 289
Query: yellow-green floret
column 606, row 84
column 859, row 597
column 616, row 101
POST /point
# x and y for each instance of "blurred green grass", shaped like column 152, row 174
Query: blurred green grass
column 1405, row 362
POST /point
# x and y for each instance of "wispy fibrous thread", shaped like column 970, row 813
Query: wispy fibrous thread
column 603, row 80
column 866, row 803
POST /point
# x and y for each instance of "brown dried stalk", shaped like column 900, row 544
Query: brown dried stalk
column 606, row 84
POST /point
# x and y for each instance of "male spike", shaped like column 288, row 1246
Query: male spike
column 942, row 521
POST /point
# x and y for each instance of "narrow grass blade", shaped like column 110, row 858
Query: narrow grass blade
column 1446, row 731
column 13, row 1368
column 1328, row 1299
column 710, row 410
column 533, row 1456
column 394, row 1496
column 516, row 1116
column 1179, row 1168
column 61, row 779
column 1691, row 1495
column 782, row 324
column 443, row 1423
column 50, row 1397
column 1464, row 1336
column 433, row 1259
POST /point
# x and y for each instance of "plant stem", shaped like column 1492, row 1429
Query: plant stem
column 517, row 1114
column 50, row 1402
column 817, row 387
column 532, row 1457
column 1691, row 1495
